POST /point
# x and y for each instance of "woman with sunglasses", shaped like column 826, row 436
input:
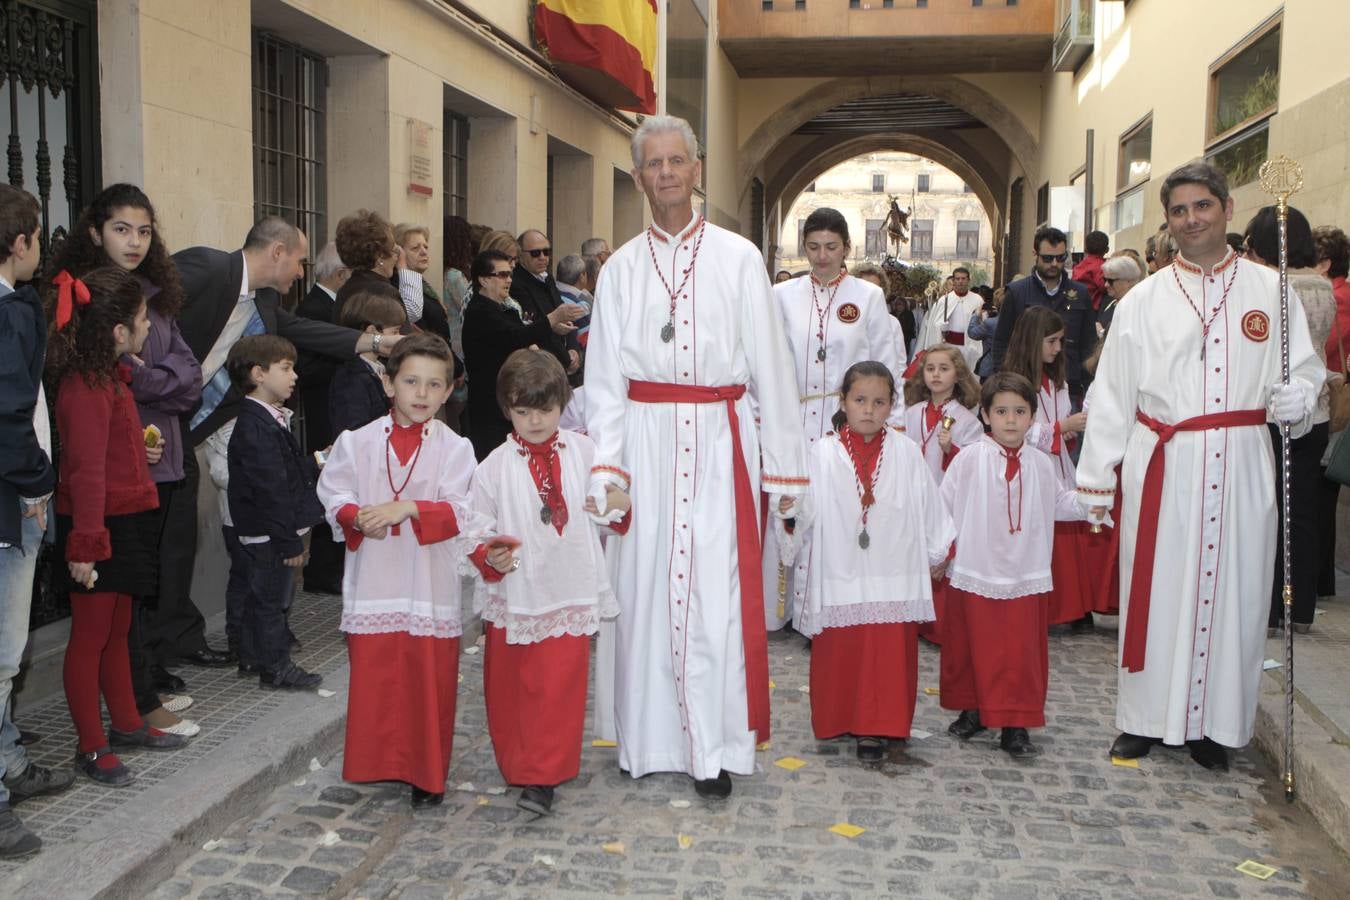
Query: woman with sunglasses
column 493, row 330
column 1120, row 273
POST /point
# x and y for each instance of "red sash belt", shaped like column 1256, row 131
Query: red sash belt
column 753, row 637
column 955, row 338
column 1141, row 578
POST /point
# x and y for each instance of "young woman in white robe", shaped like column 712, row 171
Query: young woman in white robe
column 542, row 598
column 832, row 320
column 397, row 492
column 877, row 528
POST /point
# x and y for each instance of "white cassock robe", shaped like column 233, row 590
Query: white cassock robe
column 857, row 327
column 952, row 313
column 679, row 694
column 1216, row 528
column 909, row 528
column 966, row 430
column 1053, row 405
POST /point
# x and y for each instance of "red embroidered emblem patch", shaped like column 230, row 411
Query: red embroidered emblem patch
column 1256, row 326
column 849, row 313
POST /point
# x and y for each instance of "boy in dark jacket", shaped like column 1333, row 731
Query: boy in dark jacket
column 272, row 503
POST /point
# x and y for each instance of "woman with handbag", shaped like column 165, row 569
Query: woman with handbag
column 1305, row 457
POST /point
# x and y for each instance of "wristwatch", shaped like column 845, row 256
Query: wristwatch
column 375, row 341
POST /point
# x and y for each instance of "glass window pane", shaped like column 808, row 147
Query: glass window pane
column 1136, row 158
column 1241, row 160
column 1249, row 85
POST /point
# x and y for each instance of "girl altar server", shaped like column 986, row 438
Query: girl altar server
column 1036, row 352
column 547, row 586
column 940, row 395
column 832, row 320
column 878, row 530
column 397, row 491
column 1004, row 501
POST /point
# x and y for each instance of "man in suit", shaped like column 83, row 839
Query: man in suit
column 228, row 296
column 323, row 572
column 537, row 293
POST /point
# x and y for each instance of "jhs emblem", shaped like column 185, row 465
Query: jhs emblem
column 1256, row 326
column 849, row 313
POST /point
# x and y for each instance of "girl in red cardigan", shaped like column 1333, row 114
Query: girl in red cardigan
column 103, row 503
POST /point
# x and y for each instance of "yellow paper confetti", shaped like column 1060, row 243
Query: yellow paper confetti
column 461, row 678
column 791, row 763
column 601, row 742
column 1256, row 870
column 614, row 847
column 931, row 692
column 1125, row 763
column 772, row 684
column 483, row 801
column 685, row 841
column 847, row 830
column 763, row 746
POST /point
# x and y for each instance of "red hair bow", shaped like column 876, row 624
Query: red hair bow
column 69, row 291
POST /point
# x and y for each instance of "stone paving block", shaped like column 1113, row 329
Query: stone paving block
column 309, row 880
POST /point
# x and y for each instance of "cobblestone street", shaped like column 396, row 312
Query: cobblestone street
column 938, row 818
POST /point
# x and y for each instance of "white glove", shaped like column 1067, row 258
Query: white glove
column 776, row 499
column 1287, row 403
column 596, row 491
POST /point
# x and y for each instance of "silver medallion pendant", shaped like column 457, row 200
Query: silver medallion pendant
column 820, row 354
column 668, row 332
column 864, row 541
column 546, row 515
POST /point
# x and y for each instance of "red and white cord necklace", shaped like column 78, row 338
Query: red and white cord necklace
column 389, row 471
column 668, row 330
column 1012, row 470
column 542, row 475
column 865, row 491
column 822, row 313
column 1223, row 301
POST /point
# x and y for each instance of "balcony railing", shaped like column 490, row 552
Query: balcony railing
column 1073, row 39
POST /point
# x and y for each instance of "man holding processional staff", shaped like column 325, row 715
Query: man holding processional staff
column 1183, row 391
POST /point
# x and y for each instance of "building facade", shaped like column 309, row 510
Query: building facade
column 948, row 226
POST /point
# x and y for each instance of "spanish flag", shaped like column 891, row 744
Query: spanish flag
column 604, row 48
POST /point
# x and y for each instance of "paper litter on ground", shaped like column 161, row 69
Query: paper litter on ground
column 483, row 801
column 1256, row 870
column 325, row 693
column 545, row 860
column 772, row 684
column 496, row 789
column 847, row 830
column 931, row 691
column 330, row 839
column 805, row 688
column 763, row 746
column 601, row 742
column 466, row 786
column 1271, row 664
column 920, row 734
column 685, row 841
column 791, row 763
column 680, row 804
column 212, row 844
column 470, row 651
column 616, row 847
column 314, row 764
column 1125, row 763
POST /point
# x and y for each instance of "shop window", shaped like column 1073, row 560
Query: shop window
column 1244, row 92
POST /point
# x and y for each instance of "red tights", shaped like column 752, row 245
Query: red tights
column 97, row 660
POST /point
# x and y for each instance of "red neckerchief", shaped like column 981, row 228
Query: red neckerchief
column 931, row 416
column 1012, row 468
column 546, row 469
column 405, row 439
column 864, row 455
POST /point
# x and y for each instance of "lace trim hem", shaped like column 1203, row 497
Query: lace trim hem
column 386, row 622
column 853, row 614
column 570, row 621
column 994, row 591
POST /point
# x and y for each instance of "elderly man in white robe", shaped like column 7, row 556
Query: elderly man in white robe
column 1185, row 387
column 688, row 330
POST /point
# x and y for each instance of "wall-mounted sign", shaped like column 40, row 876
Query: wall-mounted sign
column 420, row 166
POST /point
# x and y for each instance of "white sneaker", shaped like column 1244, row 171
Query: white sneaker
column 175, row 703
column 185, row 727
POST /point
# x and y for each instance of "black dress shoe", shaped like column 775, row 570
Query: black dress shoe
column 289, row 677
column 421, row 798
column 167, row 682
column 210, row 659
column 967, row 725
column 536, row 798
column 1132, row 746
column 719, row 787
column 37, row 781
column 1209, row 754
column 1017, row 743
column 871, row 749
column 116, row 775
column 147, row 738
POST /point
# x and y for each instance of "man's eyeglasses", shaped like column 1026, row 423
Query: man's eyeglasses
column 1053, row 257
column 540, row 251
column 497, row 275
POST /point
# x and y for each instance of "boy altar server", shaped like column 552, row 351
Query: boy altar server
column 547, row 598
column 1192, row 400
column 397, row 491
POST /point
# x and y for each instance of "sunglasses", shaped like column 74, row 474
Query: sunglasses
column 497, row 275
column 1053, row 257
column 540, row 251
